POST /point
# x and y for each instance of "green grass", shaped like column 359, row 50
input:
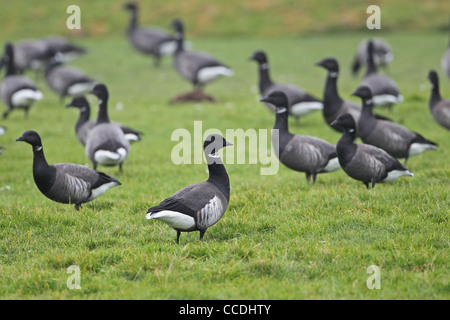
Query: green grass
column 280, row 237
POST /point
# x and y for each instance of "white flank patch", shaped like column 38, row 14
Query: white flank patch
column 167, row 48
column 80, row 89
column 417, row 148
column 386, row 99
column 302, row 108
column 211, row 73
column 25, row 97
column 102, row 189
column 332, row 165
column 393, row 175
column 175, row 220
column 106, row 157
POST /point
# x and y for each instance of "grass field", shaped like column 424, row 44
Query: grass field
column 280, row 237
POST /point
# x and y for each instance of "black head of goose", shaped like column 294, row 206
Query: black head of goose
column 306, row 154
column 106, row 144
column 197, row 67
column 84, row 125
column 384, row 90
column 66, row 80
column 382, row 54
column 148, row 40
column 445, row 61
column 16, row 91
column 199, row 206
column 439, row 108
column 300, row 102
column 395, row 139
column 364, row 162
column 65, row 182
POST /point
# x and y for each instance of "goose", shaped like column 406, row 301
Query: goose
column 300, row 102
column 16, row 91
column 201, row 205
column 364, row 162
column 439, row 108
column 306, row 154
column 65, row 182
column 197, row 67
column 149, row 40
column 382, row 54
column 31, row 54
column 333, row 104
column 84, row 125
column 384, row 90
column 66, row 80
column 105, row 144
column 395, row 139
column 66, row 51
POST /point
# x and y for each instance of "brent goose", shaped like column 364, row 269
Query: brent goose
column 395, row 139
column 199, row 206
column 84, row 125
column 66, row 80
column 439, row 108
column 16, row 91
column 149, row 40
column 382, row 54
column 300, row 102
column 65, row 182
column 31, row 54
column 106, row 144
column 364, row 162
column 199, row 68
column 306, row 154
column 384, row 90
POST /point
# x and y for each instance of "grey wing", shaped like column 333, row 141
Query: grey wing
column 73, row 183
column 12, row 83
column 83, row 131
column 148, row 39
column 189, row 63
column 391, row 137
column 62, row 77
column 368, row 163
column 380, row 84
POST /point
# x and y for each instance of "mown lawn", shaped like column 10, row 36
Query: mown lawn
column 280, row 237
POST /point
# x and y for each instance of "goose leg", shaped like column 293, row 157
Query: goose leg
column 94, row 164
column 5, row 114
column 77, row 206
column 308, row 177
column 202, row 233
column 373, row 183
column 367, row 185
column 157, row 61
column 120, row 166
column 314, row 176
column 178, row 236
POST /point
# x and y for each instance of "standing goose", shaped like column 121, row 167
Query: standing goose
column 67, row 81
column 199, row 206
column 300, row 153
column 382, row 54
column 364, row 162
column 199, row 68
column 384, row 90
column 300, row 102
column 106, row 144
column 148, row 40
column 439, row 108
column 16, row 91
column 66, row 182
column 84, row 125
column 396, row 140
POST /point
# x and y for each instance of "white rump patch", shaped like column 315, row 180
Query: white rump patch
column 80, row 89
column 167, row 48
column 25, row 97
column 393, row 175
column 131, row 137
column 332, row 165
column 386, row 99
column 302, row 108
column 106, row 157
column 174, row 219
column 102, row 189
column 417, row 148
column 209, row 74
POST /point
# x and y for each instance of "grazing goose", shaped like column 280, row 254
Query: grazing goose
column 300, row 102
column 84, row 125
column 199, row 206
column 31, row 54
column 65, row 182
column 66, row 51
column 364, row 162
column 396, row 140
column 382, row 54
column 384, row 90
column 149, row 40
column 300, row 153
column 199, row 68
column 439, row 108
column 16, row 91
column 106, row 144
column 67, row 81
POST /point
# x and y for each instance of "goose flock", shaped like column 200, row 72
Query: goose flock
column 201, row 205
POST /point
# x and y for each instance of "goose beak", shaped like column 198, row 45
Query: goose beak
column 265, row 99
column 334, row 123
column 21, row 138
column 228, row 144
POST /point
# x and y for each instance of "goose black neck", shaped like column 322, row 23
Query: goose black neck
column 43, row 174
column 284, row 136
column 367, row 109
column 102, row 116
column 435, row 94
column 331, row 99
column 371, row 67
column 264, row 77
column 10, row 67
column 85, row 114
column 179, row 40
column 218, row 175
column 133, row 21
column 346, row 148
